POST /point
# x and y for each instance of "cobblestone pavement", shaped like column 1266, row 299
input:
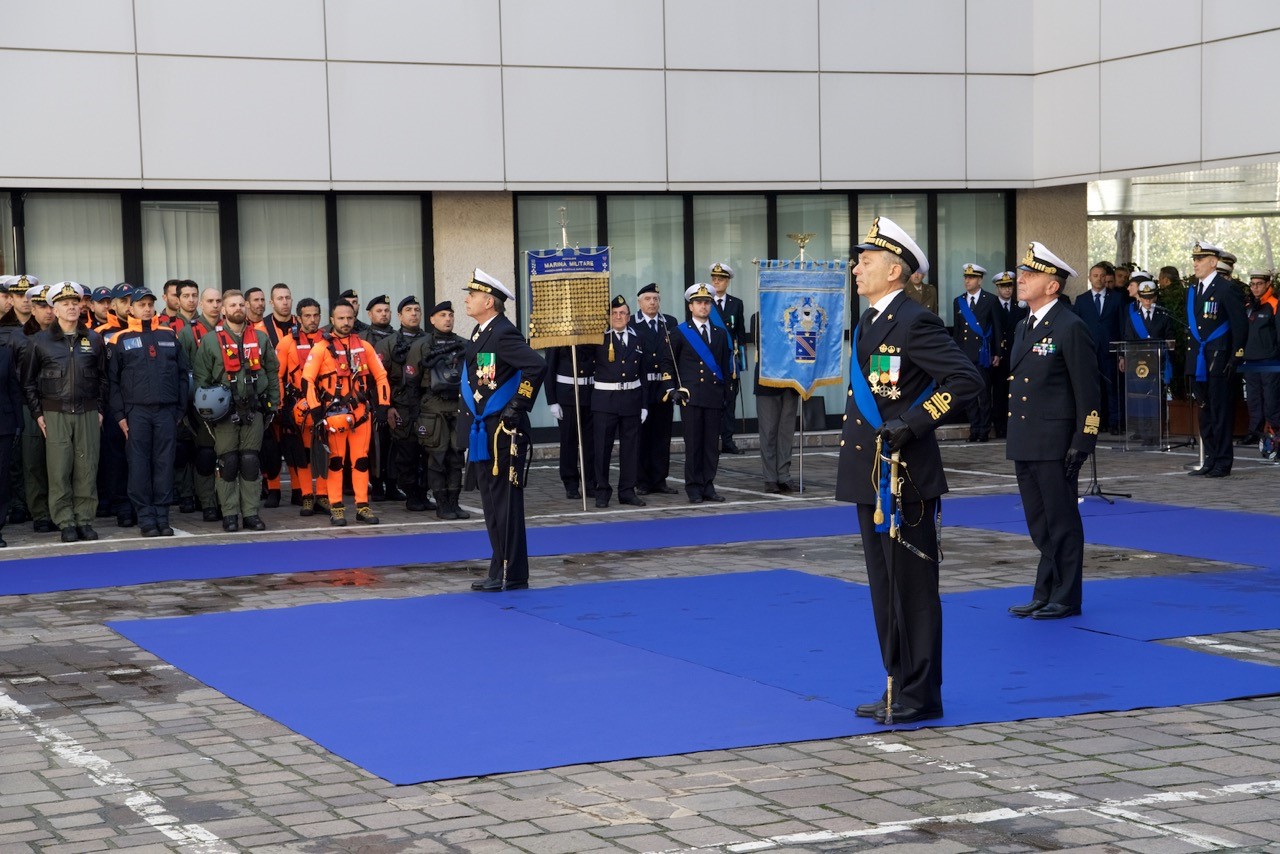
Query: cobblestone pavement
column 104, row 747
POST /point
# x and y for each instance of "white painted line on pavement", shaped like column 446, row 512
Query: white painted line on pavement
column 192, row 837
column 1213, row 643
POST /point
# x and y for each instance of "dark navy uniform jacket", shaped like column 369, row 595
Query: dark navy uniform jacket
column 504, row 348
column 1221, row 303
column 989, row 316
column 654, row 345
column 688, row 369
column 627, row 367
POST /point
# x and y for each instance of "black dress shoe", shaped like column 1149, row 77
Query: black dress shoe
column 1217, row 473
column 713, row 496
column 695, row 499
column 231, row 523
column 908, row 715
column 126, row 520
column 272, row 499
column 632, row 500
column 602, row 502
column 166, row 531
column 486, row 585
column 731, row 447
column 663, row 489
column 642, row 490
column 187, row 505
column 517, row 585
column 870, row 710
column 69, row 534
column 1056, row 611
column 785, row 487
column 86, row 532
column 17, row 517
column 254, row 523
column 1200, row 472
column 572, row 492
column 770, row 487
column 1027, row 609
column 212, row 514
column 150, row 531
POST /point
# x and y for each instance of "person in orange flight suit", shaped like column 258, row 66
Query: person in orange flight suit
column 344, row 380
column 295, row 413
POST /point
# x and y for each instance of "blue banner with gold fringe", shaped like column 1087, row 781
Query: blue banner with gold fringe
column 802, row 324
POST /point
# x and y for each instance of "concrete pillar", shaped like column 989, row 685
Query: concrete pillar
column 1058, row 218
column 472, row 230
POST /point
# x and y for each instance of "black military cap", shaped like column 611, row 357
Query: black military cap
column 407, row 301
column 380, row 299
column 651, row 288
column 447, row 305
column 618, row 302
column 348, row 294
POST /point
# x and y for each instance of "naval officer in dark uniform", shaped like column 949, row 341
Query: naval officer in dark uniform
column 910, row 375
column 617, row 405
column 1054, row 398
column 1012, row 310
column 655, row 330
column 697, row 373
column 977, row 326
column 500, row 380
column 1218, row 326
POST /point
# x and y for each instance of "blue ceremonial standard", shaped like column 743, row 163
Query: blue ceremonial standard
column 802, row 324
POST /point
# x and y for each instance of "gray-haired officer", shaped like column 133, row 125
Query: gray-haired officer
column 731, row 314
column 1218, row 327
column 147, row 381
column 65, row 383
column 617, row 405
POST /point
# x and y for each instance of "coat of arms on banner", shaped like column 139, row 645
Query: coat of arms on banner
column 805, row 323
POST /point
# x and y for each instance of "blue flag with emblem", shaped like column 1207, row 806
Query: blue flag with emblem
column 801, row 325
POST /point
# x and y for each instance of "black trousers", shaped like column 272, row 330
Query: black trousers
column 655, row 446
column 153, row 440
column 626, row 429
column 113, row 470
column 1262, row 394
column 1053, row 518
column 1000, row 400
column 1216, row 397
column 701, row 449
column 979, row 408
column 905, row 600
column 8, row 457
column 408, row 460
column 568, row 429
column 503, row 516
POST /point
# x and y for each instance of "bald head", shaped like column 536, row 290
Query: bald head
column 211, row 303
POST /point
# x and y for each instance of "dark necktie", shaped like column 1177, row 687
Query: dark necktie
column 1097, row 301
column 864, row 323
column 653, row 324
column 706, row 333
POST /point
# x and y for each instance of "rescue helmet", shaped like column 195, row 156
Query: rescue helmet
column 213, row 404
column 339, row 422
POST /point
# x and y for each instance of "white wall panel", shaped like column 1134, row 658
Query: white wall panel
column 287, row 29
column 1130, row 27
column 74, row 116
column 583, row 33
column 1066, row 119
column 574, row 125
column 1224, row 18
column 725, row 126
column 893, row 35
column 853, row 149
column 1240, row 77
column 67, row 24
column 233, row 119
column 447, row 122
column 999, row 36
column 742, row 34
column 1164, row 84
column 461, row 32
column 1065, row 33
column 999, row 132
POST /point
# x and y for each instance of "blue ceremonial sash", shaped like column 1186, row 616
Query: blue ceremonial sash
column 700, row 347
column 1140, row 326
column 1202, row 367
column 478, row 440
column 718, row 320
column 865, row 400
column 984, row 351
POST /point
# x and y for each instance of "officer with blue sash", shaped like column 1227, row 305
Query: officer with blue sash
column 978, row 329
column 1146, row 321
column 697, row 371
column 1217, row 326
column 1054, row 398
column 500, row 381
column 907, row 375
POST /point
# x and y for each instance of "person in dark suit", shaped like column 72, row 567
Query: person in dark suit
column 617, row 405
column 569, row 410
column 1102, row 310
column 500, row 380
column 727, row 313
column 1146, row 322
column 917, row 374
column 696, row 374
column 1053, row 427
column 10, row 425
column 976, row 325
column 1217, row 325
column 655, row 330
column 1012, row 311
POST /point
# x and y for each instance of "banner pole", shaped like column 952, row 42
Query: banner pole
column 577, row 419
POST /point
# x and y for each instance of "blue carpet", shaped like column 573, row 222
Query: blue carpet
column 460, row 685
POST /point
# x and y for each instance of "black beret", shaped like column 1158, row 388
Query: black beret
column 618, row 302
column 441, row 306
column 651, row 288
column 380, row 299
column 409, row 300
column 348, row 294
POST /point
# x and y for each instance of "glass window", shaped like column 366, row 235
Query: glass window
column 8, row 252
column 283, row 239
column 646, row 239
column 74, row 237
column 971, row 229
column 826, row 217
column 380, row 246
column 180, row 240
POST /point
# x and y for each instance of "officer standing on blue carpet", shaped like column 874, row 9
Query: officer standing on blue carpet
column 697, row 372
column 909, row 374
column 617, row 405
column 1054, row 398
column 978, row 330
column 729, row 311
column 655, row 330
column 500, row 380
column 1217, row 328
